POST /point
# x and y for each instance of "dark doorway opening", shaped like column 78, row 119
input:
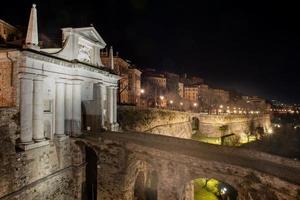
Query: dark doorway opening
column 91, row 174
column 195, row 124
column 145, row 188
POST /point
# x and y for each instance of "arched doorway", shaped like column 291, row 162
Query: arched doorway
column 145, row 187
column 195, row 124
column 91, row 174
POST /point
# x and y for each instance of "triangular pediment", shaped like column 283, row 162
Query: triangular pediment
column 90, row 33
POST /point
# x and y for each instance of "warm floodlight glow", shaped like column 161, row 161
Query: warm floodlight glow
column 142, row 91
column 161, row 97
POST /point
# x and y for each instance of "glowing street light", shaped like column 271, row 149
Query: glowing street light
column 195, row 104
column 171, row 101
column 161, row 97
column 181, row 103
column 221, row 106
column 223, row 190
column 142, row 91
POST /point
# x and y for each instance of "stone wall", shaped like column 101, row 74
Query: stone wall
column 122, row 156
column 41, row 173
column 237, row 124
column 179, row 124
column 156, row 121
column 8, row 80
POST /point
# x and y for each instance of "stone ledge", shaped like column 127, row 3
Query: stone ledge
column 27, row 147
column 61, row 138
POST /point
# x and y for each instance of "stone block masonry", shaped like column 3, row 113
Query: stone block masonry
column 179, row 124
column 40, row 173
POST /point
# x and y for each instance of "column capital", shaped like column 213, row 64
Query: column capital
column 24, row 75
column 39, row 77
column 60, row 81
column 76, row 81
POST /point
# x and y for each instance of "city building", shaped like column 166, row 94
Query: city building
column 191, row 92
column 130, row 82
column 57, row 90
column 7, row 31
column 181, row 89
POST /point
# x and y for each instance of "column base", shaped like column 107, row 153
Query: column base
column 60, row 137
column 114, row 127
column 32, row 145
column 39, row 140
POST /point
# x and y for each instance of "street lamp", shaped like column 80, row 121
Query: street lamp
column 161, row 97
column 142, row 91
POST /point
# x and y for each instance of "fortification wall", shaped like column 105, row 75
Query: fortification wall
column 179, row 124
column 40, row 173
column 156, row 121
column 237, row 124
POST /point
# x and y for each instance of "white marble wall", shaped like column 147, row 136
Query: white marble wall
column 51, row 96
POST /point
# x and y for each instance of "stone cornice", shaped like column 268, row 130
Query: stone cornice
column 72, row 64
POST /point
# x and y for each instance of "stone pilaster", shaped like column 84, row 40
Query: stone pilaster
column 115, row 106
column 68, row 107
column 110, row 107
column 60, row 109
column 26, row 108
column 38, row 109
column 76, row 105
column 103, row 92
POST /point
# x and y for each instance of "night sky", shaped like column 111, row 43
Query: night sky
column 249, row 46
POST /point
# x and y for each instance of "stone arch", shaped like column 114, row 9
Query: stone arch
column 195, row 123
column 207, row 188
column 86, row 157
column 141, row 180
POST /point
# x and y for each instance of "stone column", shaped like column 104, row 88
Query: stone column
column 110, row 108
column 115, row 97
column 76, row 105
column 60, row 109
column 38, row 109
column 103, row 92
column 26, row 97
column 68, row 107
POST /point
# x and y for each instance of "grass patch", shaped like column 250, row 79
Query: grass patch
column 203, row 138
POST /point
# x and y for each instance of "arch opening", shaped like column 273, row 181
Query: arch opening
column 145, row 186
column 195, row 124
column 91, row 173
column 208, row 189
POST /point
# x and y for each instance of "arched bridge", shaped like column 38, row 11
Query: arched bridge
column 127, row 164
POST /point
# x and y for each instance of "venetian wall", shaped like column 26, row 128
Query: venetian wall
column 237, row 124
column 179, row 124
column 41, row 173
column 156, row 121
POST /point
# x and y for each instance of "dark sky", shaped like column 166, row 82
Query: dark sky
column 250, row 46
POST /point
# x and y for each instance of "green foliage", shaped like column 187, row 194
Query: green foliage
column 206, row 189
column 202, row 138
column 232, row 140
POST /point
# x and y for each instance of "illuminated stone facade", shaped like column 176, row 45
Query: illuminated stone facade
column 7, row 30
column 49, row 86
column 130, row 82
